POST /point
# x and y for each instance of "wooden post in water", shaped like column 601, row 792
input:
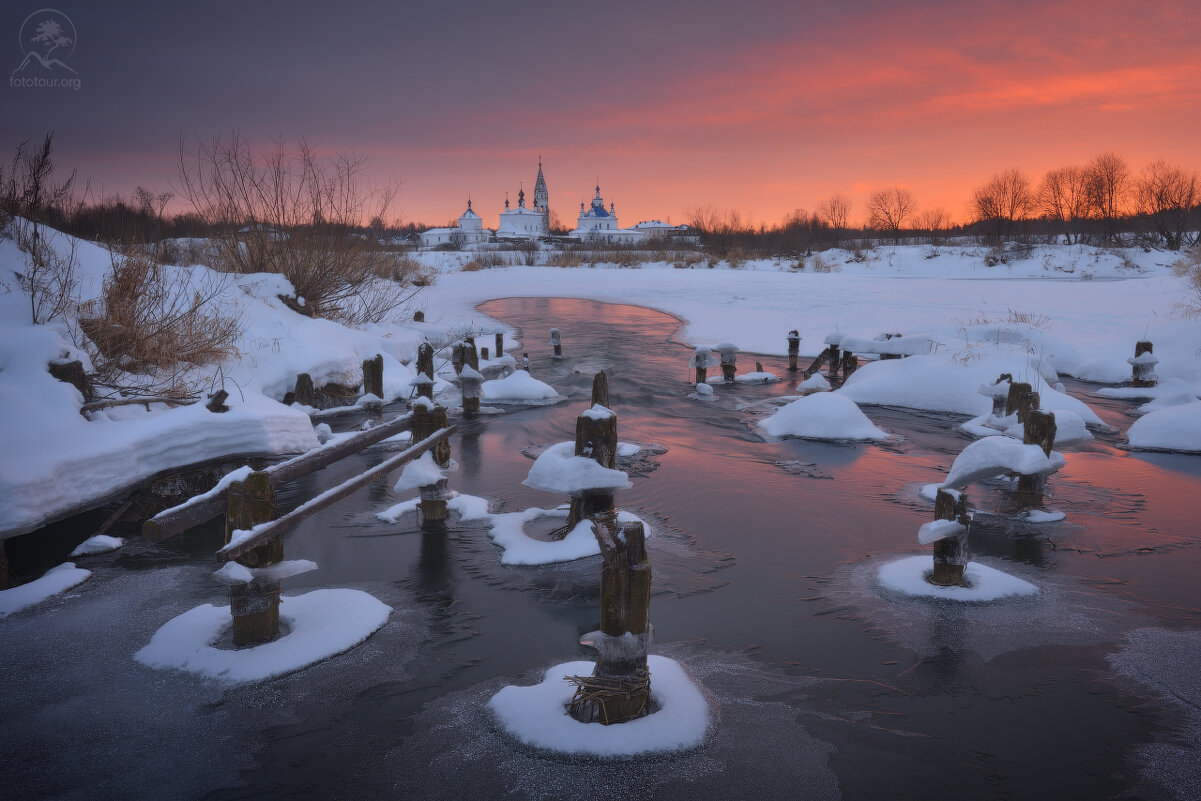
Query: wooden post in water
column 470, row 381
column 500, row 344
column 427, row 419
column 1021, row 399
column 700, row 360
column 833, row 360
column 305, row 395
column 951, row 553
column 525, row 362
column 999, row 400
column 619, row 688
column 373, row 376
column 595, row 439
column 794, row 349
column 254, row 605
column 1038, row 428
column 484, row 353
column 419, row 317
column 456, row 358
column 1143, row 363
column 425, row 371
column 556, row 342
column 850, row 363
column 729, row 361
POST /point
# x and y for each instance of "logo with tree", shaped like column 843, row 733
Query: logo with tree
column 47, row 39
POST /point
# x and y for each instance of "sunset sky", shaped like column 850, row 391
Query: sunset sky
column 761, row 106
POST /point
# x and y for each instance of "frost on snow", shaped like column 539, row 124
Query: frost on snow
column 56, row 580
column 322, row 623
column 822, row 416
column 537, row 715
column 559, row 470
column 908, row 577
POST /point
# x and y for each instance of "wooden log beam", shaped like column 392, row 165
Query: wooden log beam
column 180, row 518
column 263, row 533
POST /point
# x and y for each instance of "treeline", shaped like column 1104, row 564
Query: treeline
column 1103, row 202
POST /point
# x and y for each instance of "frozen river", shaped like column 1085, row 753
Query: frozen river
column 764, row 556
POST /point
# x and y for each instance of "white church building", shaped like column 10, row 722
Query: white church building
column 470, row 231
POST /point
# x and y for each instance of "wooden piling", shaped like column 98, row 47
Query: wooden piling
column 427, row 420
column 73, row 373
column 305, row 395
column 1038, row 428
column 254, row 605
column 998, row 400
column 425, row 367
column 500, row 344
column 7, row 579
column 1021, row 399
column 729, row 361
column 951, row 554
column 700, row 360
column 1143, row 365
column 850, row 363
column 456, row 358
column 373, row 376
column 556, row 341
column 470, row 381
column 619, row 688
column 794, row 349
column 483, row 353
column 596, row 439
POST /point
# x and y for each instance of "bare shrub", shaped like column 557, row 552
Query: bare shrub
column 1169, row 196
column 1189, row 268
column 564, row 259
column 1003, row 202
column 889, row 210
column 291, row 213
column 149, row 329
column 1063, row 198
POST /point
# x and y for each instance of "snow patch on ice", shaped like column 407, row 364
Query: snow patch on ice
column 518, row 387
column 908, row 577
column 322, row 623
column 100, row 543
column 53, row 582
column 537, row 715
column 822, row 416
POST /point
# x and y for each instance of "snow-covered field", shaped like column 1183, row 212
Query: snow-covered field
column 1064, row 310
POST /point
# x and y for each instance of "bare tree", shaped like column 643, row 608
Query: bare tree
column 889, row 209
column 935, row 222
column 1108, row 181
column 1002, row 202
column 1169, row 196
column 28, row 193
column 835, row 211
column 1063, row 197
column 289, row 212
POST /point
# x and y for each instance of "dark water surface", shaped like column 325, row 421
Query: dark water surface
column 763, row 556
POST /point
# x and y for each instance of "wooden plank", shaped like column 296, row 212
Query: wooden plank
column 170, row 522
column 275, row 528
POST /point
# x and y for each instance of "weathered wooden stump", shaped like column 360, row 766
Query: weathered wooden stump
column 619, row 688
column 1143, row 365
column 1038, row 428
column 850, row 363
column 305, row 394
column 500, row 344
column 216, row 402
column 700, row 360
column 484, row 353
column 525, row 362
column 595, row 439
column 556, row 341
column 425, row 370
column 729, row 361
column 998, row 399
column 1021, row 399
column 419, row 317
column 73, row 374
column 951, row 554
column 254, row 605
column 373, row 376
column 427, row 419
column 471, row 381
column 794, row 349
column 828, row 354
column 833, row 361
column 456, row 358
column 7, row 579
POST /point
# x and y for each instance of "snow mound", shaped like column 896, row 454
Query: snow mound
column 518, row 387
column 908, row 577
column 814, row 383
column 419, row 473
column 822, row 416
column 537, row 715
column 1175, row 428
column 993, row 456
column 55, row 581
column 323, row 623
column 469, row 507
column 101, row 543
column 559, row 470
column 756, row 378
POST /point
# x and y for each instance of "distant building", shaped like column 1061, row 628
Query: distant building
column 470, row 231
column 522, row 223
